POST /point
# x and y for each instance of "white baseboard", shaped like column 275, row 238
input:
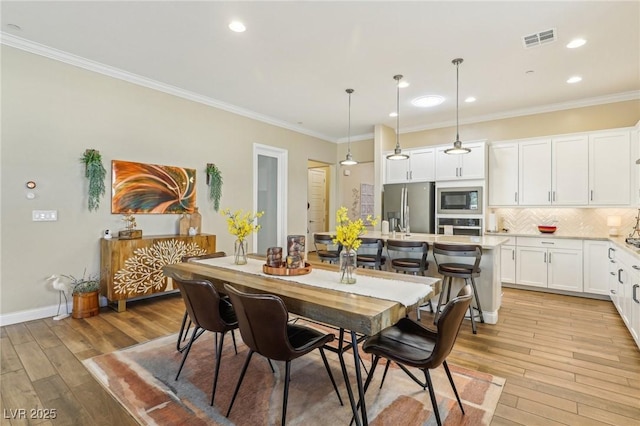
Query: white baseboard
column 38, row 313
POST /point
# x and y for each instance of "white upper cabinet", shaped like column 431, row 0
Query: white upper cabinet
column 610, row 168
column 419, row 167
column 503, row 174
column 570, row 170
column 462, row 166
column 534, row 175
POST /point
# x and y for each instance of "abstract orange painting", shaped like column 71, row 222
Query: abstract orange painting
column 150, row 188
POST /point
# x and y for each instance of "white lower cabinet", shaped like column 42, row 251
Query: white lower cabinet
column 550, row 263
column 625, row 294
column 596, row 256
column 508, row 262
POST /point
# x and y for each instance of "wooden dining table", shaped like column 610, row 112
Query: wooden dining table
column 355, row 314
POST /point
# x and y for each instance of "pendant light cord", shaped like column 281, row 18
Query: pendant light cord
column 457, row 98
column 397, row 78
column 349, row 91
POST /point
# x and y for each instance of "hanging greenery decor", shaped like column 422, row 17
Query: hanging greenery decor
column 214, row 180
column 96, row 174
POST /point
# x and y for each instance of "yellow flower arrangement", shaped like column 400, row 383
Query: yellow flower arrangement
column 348, row 232
column 242, row 224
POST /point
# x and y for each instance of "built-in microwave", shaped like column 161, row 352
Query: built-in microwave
column 462, row 200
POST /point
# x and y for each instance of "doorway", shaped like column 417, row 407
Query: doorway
column 270, row 195
column 318, row 198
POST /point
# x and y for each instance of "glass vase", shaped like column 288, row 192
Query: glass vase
column 240, row 252
column 348, row 266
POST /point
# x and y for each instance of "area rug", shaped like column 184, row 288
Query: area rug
column 142, row 379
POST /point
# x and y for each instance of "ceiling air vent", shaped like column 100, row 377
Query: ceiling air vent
column 537, row 39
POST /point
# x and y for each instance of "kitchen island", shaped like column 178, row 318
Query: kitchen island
column 489, row 284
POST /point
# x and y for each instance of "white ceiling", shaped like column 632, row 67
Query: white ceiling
column 292, row 65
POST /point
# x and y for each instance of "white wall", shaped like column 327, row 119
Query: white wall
column 52, row 112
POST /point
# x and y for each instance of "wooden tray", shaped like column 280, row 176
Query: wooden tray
column 270, row 270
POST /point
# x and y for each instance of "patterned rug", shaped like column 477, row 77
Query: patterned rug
column 141, row 378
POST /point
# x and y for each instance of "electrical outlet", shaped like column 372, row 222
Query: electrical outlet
column 44, row 215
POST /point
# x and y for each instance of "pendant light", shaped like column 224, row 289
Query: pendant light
column 349, row 161
column 457, row 145
column 397, row 153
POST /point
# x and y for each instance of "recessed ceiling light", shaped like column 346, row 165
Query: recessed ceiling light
column 237, row 27
column 14, row 27
column 427, row 101
column 403, row 84
column 470, row 99
column 393, row 114
column 576, row 43
column 574, row 79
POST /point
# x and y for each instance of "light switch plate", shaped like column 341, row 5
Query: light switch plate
column 44, row 215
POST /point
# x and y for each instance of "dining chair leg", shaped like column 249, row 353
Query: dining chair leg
column 233, row 337
column 384, row 375
column 244, row 370
column 471, row 313
column 432, row 395
column 287, row 376
column 217, row 368
column 194, row 336
column 273, row 370
column 453, row 385
column 475, row 295
column 182, row 334
column 333, row 382
column 345, row 376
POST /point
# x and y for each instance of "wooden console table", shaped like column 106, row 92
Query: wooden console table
column 131, row 268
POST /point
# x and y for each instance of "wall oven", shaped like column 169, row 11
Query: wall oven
column 460, row 201
column 460, row 226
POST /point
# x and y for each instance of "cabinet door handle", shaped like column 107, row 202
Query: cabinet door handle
column 548, row 242
column 460, row 171
column 634, row 295
column 407, row 174
column 549, row 195
column 513, row 255
column 545, row 258
column 609, row 252
column 591, row 196
column 612, row 291
column 620, row 279
column 549, row 257
column 411, row 175
column 516, row 197
column 612, row 273
column 636, row 267
column 554, row 195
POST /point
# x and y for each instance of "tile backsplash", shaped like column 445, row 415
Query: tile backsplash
column 570, row 221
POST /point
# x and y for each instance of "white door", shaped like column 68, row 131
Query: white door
column 317, row 199
column 270, row 196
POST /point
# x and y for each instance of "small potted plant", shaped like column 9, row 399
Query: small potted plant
column 85, row 292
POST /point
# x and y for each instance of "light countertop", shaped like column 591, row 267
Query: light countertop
column 487, row 242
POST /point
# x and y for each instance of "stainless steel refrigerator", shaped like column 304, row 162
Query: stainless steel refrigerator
column 410, row 204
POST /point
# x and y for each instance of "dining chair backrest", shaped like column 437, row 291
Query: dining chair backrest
column 202, row 301
column 370, row 252
column 262, row 319
column 458, row 250
column 448, row 324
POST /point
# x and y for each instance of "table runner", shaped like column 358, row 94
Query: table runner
column 406, row 293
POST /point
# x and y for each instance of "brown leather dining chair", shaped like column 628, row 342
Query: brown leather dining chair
column 186, row 322
column 264, row 327
column 208, row 311
column 410, row 344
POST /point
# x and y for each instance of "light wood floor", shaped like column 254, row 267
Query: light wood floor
column 567, row 361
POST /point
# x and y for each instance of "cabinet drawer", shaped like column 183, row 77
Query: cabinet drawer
column 549, row 243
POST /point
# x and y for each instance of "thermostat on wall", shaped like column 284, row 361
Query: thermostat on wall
column 347, row 172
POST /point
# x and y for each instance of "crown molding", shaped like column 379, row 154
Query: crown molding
column 61, row 56
column 599, row 100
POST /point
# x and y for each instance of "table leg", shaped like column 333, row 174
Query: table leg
column 356, row 359
column 345, row 374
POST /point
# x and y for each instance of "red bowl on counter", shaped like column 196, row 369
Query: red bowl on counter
column 546, row 229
